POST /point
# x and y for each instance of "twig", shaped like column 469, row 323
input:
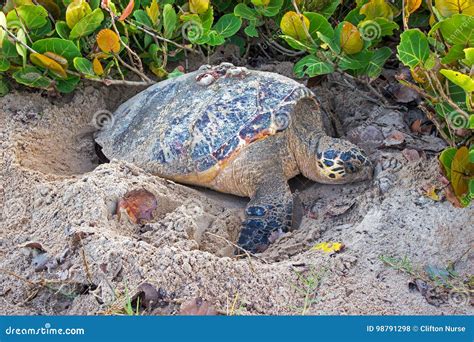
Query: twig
column 31, row 283
column 446, row 97
column 148, row 31
column 135, row 70
column 130, row 52
column 49, row 14
column 15, row 39
column 434, row 120
column 20, row 19
column 238, row 247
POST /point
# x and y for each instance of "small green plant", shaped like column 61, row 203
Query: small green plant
column 441, row 62
column 349, row 46
column 53, row 44
column 307, row 285
column 443, row 282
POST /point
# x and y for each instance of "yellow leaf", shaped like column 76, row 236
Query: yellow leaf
column 449, row 7
column 108, row 41
column 3, row 22
column 76, row 10
column 97, row 67
column 351, row 41
column 464, row 81
column 48, row 63
column 260, row 2
column 59, row 59
column 329, row 247
column 292, row 25
column 153, row 12
column 157, row 70
column 198, row 6
column 412, row 5
column 431, row 193
column 377, row 9
column 461, row 171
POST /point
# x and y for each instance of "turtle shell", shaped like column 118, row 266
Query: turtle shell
column 187, row 125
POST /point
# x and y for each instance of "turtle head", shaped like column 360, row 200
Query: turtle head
column 339, row 161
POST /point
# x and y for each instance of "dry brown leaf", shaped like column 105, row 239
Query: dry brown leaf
column 139, row 205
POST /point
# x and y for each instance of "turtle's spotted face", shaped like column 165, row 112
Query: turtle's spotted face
column 342, row 163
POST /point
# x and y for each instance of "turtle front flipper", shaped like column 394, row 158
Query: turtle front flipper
column 271, row 211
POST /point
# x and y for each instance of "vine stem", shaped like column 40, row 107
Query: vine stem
column 148, row 30
column 105, row 81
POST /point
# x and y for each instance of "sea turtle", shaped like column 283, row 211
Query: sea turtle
column 236, row 131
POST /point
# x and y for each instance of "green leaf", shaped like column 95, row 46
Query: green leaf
column 142, row 18
column 41, row 32
column 446, row 158
column 251, row 31
column 84, row 66
column 471, row 154
column 207, row 18
column 175, row 73
column 464, row 81
column 31, row 77
column 377, row 61
column 4, row 64
column 331, row 42
column 32, row 16
column 228, row 25
column 356, row 61
column 9, row 49
column 3, row 23
column 354, row 17
column 318, row 23
column 169, row 20
column 459, row 29
column 62, row 29
column 215, row 39
column 312, row 66
column 61, row 47
column 68, row 85
column 330, row 8
column 244, row 11
column 4, row 88
column 454, row 54
column 469, row 53
column 413, row 48
column 374, row 30
column 20, row 48
column 295, row 44
column 272, row 8
column 88, row 24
